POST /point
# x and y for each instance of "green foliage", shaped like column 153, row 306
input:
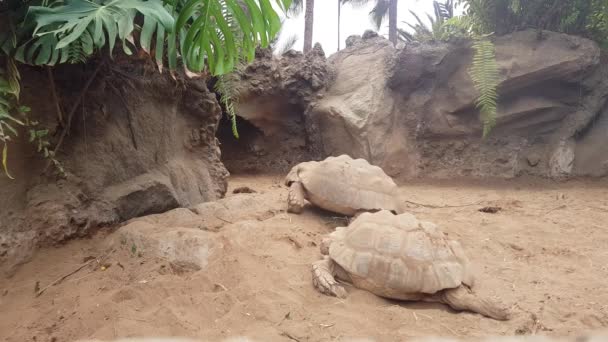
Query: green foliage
column 484, row 73
column 438, row 31
column 580, row 17
column 9, row 96
column 484, row 69
column 201, row 34
column 212, row 33
column 74, row 30
column 228, row 88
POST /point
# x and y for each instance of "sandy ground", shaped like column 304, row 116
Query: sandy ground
column 544, row 254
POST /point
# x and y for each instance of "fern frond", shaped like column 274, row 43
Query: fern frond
column 485, row 76
column 227, row 86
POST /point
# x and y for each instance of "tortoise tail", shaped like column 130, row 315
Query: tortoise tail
column 463, row 299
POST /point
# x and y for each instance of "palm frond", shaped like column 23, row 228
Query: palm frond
column 296, row 8
column 379, row 13
column 356, row 3
column 289, row 43
column 485, row 76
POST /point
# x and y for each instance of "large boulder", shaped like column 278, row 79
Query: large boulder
column 413, row 112
column 187, row 248
column 355, row 116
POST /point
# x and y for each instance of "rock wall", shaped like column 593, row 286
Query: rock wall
column 139, row 145
column 274, row 94
column 412, row 112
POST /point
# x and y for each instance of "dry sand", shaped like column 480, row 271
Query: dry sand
column 544, row 254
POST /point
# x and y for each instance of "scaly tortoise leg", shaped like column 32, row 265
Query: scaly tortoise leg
column 323, row 278
column 463, row 299
column 295, row 198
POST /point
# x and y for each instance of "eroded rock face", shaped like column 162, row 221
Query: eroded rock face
column 274, row 95
column 412, row 111
column 141, row 145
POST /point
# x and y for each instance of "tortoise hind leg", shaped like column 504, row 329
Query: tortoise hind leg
column 295, row 198
column 323, row 278
column 463, row 299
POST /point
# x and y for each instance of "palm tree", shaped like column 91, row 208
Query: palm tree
column 308, row 23
column 296, row 8
column 392, row 21
column 381, row 10
column 339, row 17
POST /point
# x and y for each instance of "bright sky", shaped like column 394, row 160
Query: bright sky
column 355, row 20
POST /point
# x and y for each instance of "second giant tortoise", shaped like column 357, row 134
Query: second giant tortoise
column 400, row 257
column 342, row 185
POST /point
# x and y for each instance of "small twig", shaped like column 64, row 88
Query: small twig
column 60, row 279
column 129, row 114
column 72, row 112
column 554, row 209
column 221, row 286
column 442, row 206
column 134, row 319
column 221, row 219
column 55, row 97
column 289, row 336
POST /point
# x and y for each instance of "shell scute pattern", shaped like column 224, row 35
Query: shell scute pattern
column 345, row 185
column 398, row 252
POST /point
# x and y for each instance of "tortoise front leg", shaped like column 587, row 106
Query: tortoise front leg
column 295, row 198
column 323, row 278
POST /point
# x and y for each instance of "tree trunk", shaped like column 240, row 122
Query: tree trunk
column 308, row 23
column 392, row 22
column 339, row 15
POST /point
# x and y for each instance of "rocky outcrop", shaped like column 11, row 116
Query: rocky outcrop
column 186, row 248
column 140, row 145
column 412, row 111
column 274, row 92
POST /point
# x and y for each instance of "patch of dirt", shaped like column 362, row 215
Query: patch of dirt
column 544, row 253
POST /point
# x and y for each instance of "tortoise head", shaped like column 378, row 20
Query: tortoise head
column 325, row 243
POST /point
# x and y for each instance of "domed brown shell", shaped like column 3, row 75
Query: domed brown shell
column 399, row 254
column 345, row 185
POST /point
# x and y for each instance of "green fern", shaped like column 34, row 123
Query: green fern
column 227, row 86
column 485, row 76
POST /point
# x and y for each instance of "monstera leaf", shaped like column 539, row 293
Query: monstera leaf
column 216, row 33
column 74, row 30
column 213, row 33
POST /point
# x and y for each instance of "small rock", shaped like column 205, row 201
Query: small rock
column 244, row 190
column 352, row 40
column 533, row 159
column 369, row 34
column 490, row 210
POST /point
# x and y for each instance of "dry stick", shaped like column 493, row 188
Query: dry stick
column 442, row 206
column 72, row 111
column 129, row 114
column 290, row 336
column 55, row 97
column 60, row 279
